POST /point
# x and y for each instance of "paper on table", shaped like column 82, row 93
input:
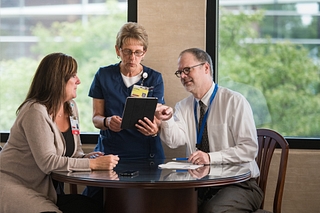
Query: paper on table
column 179, row 165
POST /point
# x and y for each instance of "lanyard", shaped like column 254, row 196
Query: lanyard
column 204, row 120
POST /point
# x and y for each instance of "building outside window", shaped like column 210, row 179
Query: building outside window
column 269, row 52
column 31, row 29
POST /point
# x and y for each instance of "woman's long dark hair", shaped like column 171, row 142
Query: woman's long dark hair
column 48, row 86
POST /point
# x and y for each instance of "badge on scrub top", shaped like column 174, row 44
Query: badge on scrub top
column 74, row 125
column 139, row 91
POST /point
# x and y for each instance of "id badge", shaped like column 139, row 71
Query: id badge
column 139, row 91
column 74, row 125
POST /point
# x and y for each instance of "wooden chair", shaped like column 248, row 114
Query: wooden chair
column 269, row 140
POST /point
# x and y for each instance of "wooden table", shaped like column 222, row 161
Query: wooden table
column 153, row 189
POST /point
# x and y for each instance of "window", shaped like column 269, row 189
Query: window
column 31, row 29
column 269, row 53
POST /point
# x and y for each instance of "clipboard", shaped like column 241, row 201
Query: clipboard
column 136, row 108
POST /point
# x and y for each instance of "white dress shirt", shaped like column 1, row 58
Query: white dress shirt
column 231, row 129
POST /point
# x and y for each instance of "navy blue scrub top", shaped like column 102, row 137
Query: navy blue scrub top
column 128, row 143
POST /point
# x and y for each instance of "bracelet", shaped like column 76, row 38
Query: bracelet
column 104, row 122
column 83, row 155
column 155, row 135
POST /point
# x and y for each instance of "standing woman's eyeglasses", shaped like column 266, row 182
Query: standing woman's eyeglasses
column 128, row 52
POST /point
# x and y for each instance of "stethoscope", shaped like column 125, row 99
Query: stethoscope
column 144, row 76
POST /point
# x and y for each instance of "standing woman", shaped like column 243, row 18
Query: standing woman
column 45, row 138
column 109, row 90
column 112, row 85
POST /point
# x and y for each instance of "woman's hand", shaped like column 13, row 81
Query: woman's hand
column 147, row 127
column 106, row 162
column 115, row 123
column 100, row 121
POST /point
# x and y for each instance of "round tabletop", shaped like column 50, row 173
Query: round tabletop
column 149, row 175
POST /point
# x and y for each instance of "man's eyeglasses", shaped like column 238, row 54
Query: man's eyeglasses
column 186, row 70
column 128, row 52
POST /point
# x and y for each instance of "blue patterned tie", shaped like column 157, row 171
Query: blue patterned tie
column 204, row 146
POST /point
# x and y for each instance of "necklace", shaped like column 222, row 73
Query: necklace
column 61, row 115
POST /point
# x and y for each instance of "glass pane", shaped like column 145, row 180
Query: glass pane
column 269, row 52
column 31, row 29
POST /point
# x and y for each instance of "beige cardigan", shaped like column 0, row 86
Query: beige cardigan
column 35, row 148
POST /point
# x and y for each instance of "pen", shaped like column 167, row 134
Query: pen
column 94, row 156
column 179, row 158
column 180, row 170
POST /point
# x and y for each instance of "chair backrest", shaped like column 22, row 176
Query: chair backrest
column 269, row 140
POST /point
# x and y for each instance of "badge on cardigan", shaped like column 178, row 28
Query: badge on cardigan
column 74, row 125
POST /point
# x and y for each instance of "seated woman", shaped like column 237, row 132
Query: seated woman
column 45, row 138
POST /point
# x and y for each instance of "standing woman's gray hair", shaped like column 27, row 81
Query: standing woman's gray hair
column 135, row 31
